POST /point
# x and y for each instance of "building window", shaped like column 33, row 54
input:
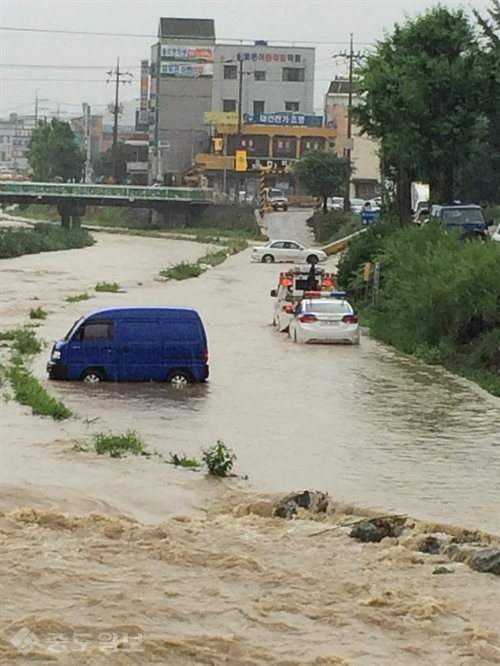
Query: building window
column 259, row 107
column 260, row 76
column 292, row 106
column 230, row 72
column 285, row 147
column 293, row 74
column 229, row 105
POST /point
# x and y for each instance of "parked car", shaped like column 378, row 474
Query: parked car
column 325, row 320
column 357, row 206
column 133, row 344
column 276, row 199
column 335, row 203
column 286, row 250
column 469, row 219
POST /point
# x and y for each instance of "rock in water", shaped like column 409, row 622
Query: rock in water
column 487, row 561
column 366, row 531
column 312, row 501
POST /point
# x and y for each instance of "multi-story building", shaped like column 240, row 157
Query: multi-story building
column 182, row 69
column 365, row 158
column 98, row 143
column 15, row 135
column 266, row 79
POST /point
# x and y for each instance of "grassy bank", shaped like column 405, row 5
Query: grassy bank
column 329, row 227
column 42, row 238
column 438, row 297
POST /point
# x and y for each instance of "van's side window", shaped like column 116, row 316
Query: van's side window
column 97, row 330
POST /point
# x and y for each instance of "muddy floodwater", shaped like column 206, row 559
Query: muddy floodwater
column 196, row 567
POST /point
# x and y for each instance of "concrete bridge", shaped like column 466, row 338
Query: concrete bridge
column 71, row 199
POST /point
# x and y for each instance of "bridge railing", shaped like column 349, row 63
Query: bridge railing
column 105, row 191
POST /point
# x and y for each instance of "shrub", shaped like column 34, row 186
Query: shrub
column 119, row 445
column 183, row 461
column 328, row 227
column 182, row 271
column 78, row 298
column 24, row 340
column 38, row 313
column 29, row 391
column 108, row 287
column 219, row 459
column 42, row 238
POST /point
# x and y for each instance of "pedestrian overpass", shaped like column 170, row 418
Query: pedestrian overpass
column 71, row 199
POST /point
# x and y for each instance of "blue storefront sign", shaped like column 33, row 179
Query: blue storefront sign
column 297, row 120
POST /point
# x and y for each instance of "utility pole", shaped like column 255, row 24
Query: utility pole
column 36, row 107
column 351, row 57
column 120, row 77
column 240, row 95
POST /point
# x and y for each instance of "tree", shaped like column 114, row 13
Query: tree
column 424, row 95
column 54, row 153
column 103, row 165
column 322, row 173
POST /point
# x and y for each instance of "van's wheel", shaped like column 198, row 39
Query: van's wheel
column 312, row 259
column 268, row 259
column 179, row 378
column 90, row 376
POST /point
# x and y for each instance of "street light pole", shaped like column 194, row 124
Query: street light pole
column 240, row 95
column 347, row 202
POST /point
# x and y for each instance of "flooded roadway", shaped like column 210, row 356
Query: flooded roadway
column 367, row 424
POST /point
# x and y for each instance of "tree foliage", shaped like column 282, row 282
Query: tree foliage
column 322, row 173
column 424, row 93
column 103, row 165
column 54, row 153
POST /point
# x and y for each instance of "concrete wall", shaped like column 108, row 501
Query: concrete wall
column 274, row 91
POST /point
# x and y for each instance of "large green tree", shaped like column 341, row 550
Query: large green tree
column 54, row 154
column 104, row 164
column 424, row 90
column 322, row 173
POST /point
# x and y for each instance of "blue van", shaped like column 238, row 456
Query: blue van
column 133, row 344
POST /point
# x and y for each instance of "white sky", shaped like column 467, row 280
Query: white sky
column 325, row 24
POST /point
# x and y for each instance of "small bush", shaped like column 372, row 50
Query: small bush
column 109, row 287
column 119, row 445
column 182, row 271
column 219, row 459
column 78, row 298
column 24, row 341
column 183, row 461
column 213, row 258
column 29, row 391
column 38, row 313
column 42, row 238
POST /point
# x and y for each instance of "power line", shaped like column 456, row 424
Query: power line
column 62, row 66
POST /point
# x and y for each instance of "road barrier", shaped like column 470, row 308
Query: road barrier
column 339, row 245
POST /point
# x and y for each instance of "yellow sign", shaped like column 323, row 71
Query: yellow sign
column 217, row 143
column 241, row 160
column 220, row 118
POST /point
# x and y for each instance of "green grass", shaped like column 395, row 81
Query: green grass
column 108, row 287
column 78, row 298
column 38, row 313
column 213, row 259
column 31, row 392
column 119, row 445
column 24, row 341
column 39, row 212
column 42, row 238
column 182, row 271
column 183, row 461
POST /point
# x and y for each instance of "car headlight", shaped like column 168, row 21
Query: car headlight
column 56, row 355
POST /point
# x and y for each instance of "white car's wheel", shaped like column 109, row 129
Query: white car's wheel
column 268, row 259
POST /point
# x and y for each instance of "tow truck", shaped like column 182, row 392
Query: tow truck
column 292, row 287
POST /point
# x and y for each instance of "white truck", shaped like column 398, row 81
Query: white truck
column 276, row 198
column 419, row 197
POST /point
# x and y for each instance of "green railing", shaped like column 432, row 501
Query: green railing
column 105, row 191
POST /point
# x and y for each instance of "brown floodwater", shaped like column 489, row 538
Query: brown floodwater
column 366, row 424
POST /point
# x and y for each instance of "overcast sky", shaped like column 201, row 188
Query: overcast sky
column 325, row 24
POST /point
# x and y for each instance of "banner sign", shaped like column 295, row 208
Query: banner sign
column 256, row 164
column 270, row 57
column 220, row 118
column 144, row 111
column 282, row 119
column 174, row 69
column 175, row 52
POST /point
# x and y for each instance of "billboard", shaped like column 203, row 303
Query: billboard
column 295, row 120
column 178, row 52
column 220, row 118
column 190, row 71
column 143, row 109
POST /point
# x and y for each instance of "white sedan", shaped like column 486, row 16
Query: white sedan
column 327, row 320
column 288, row 251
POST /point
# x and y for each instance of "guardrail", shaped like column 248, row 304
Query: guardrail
column 338, row 245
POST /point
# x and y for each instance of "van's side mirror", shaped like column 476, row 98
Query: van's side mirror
column 274, row 293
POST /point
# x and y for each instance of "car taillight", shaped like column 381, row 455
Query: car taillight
column 207, row 355
column 308, row 318
column 288, row 308
column 350, row 319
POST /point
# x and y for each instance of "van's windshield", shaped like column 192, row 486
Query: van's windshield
column 457, row 217
column 72, row 329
